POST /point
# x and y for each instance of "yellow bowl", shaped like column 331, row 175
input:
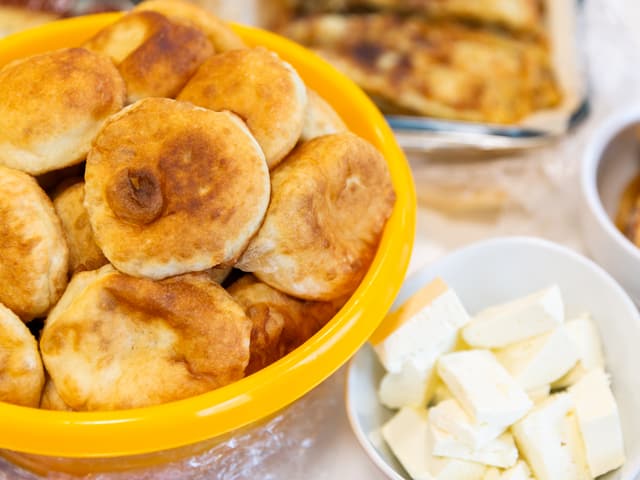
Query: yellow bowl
column 36, row 437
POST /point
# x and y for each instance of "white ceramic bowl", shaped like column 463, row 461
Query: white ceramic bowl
column 497, row 270
column 611, row 160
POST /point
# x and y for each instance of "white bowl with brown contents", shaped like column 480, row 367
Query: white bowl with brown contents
column 611, row 161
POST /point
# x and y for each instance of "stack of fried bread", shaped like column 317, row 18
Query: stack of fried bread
column 177, row 211
column 470, row 60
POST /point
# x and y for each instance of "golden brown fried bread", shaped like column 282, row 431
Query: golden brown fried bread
column 255, row 84
column 330, row 200
column 524, row 15
column 84, row 253
column 320, row 118
column 173, row 188
column 51, row 400
column 115, row 341
column 21, row 372
column 221, row 36
column 156, row 57
column 280, row 323
column 432, row 68
column 52, row 105
column 33, row 251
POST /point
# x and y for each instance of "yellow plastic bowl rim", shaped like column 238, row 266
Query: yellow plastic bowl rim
column 195, row 419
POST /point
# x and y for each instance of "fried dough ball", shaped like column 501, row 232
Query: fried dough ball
column 221, row 36
column 173, row 188
column 84, row 253
column 33, row 251
column 21, row 372
column 255, row 84
column 52, row 105
column 280, row 323
column 51, row 400
column 115, row 341
column 330, row 200
column 156, row 57
column 320, row 118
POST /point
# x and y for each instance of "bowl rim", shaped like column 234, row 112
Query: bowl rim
column 592, row 157
column 526, row 242
column 189, row 421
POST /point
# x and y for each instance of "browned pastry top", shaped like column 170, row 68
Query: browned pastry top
column 52, row 105
column 221, row 36
column 33, row 250
column 172, row 188
column 115, row 341
column 280, row 323
column 330, row 200
column 21, row 373
column 255, row 84
column 156, row 57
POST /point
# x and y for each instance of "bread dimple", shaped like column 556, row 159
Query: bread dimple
column 280, row 323
column 21, row 372
column 52, row 106
column 255, row 84
column 124, row 342
column 330, row 200
column 156, row 57
column 33, row 250
column 172, row 188
column 84, row 253
column 221, row 36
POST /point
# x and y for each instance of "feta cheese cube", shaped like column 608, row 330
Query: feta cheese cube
column 501, row 452
column 517, row 320
column 520, row 471
column 407, row 434
column 539, row 394
column 599, row 422
column 539, row 360
column 483, row 387
column 451, row 417
column 547, row 441
column 409, row 387
column 422, row 329
column 584, row 335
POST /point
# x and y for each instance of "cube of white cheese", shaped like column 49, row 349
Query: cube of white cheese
column 517, row 320
column 451, row 417
column 539, row 360
column 584, row 335
column 520, row 471
column 500, row 452
column 483, row 387
column 599, row 422
column 408, row 387
column 539, row 394
column 422, row 329
column 407, row 434
column 547, row 441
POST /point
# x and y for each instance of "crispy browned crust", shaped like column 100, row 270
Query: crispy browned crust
column 281, row 323
column 116, row 341
column 330, row 200
column 221, row 36
column 84, row 253
column 33, row 250
column 518, row 15
column 156, row 57
column 172, row 188
column 21, row 372
column 51, row 399
column 439, row 69
column 52, row 105
column 258, row 86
